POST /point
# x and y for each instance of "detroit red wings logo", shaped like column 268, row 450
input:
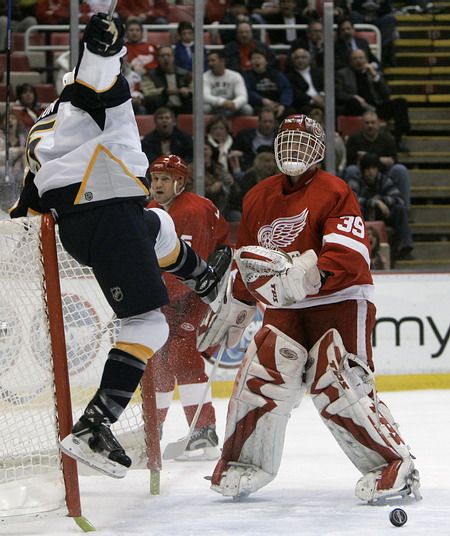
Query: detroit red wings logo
column 282, row 231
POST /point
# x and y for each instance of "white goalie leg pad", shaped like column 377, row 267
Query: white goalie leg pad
column 268, row 385
column 345, row 396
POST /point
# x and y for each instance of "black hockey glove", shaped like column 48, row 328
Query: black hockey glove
column 213, row 280
column 104, row 37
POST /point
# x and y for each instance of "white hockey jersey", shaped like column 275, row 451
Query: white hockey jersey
column 85, row 148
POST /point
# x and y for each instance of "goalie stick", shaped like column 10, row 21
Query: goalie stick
column 176, row 448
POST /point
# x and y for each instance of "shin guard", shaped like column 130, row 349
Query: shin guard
column 343, row 392
column 268, row 385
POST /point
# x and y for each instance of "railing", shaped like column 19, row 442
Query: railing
column 212, row 28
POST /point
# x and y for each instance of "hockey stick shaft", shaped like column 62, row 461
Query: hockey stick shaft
column 8, row 88
column 111, row 9
column 176, row 449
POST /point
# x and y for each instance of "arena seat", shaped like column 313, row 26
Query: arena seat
column 145, row 123
column 3, row 93
column 158, row 39
column 46, row 93
column 348, row 124
column 185, row 122
column 178, row 13
column 23, row 77
column 242, row 122
column 19, row 62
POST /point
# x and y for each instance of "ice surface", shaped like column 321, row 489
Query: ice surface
column 313, row 494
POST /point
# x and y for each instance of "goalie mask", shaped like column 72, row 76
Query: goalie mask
column 300, row 143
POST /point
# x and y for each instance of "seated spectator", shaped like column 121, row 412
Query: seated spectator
column 22, row 19
column 134, row 81
column 372, row 138
column 218, row 134
column 339, row 145
column 361, row 87
column 184, row 48
column 289, row 15
column 11, row 185
column 215, row 11
column 167, row 138
column 26, row 108
column 141, row 54
column 264, row 165
column 165, row 86
column 313, row 42
column 220, row 186
column 146, row 11
column 52, row 11
column 377, row 260
column 237, row 52
column 379, row 13
column 236, row 12
column 267, row 87
column 248, row 140
column 224, row 90
column 90, row 7
column 346, row 42
column 307, row 82
column 380, row 199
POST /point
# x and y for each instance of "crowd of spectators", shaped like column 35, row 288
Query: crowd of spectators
column 247, row 77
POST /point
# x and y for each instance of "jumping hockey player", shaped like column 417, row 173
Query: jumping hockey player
column 198, row 221
column 86, row 167
column 303, row 251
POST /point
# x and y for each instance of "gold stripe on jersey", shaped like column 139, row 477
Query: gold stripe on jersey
column 171, row 257
column 85, row 84
column 99, row 149
column 33, row 139
column 139, row 351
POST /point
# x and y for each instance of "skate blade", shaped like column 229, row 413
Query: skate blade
column 80, row 451
column 199, row 455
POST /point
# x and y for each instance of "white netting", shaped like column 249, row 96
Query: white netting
column 28, row 431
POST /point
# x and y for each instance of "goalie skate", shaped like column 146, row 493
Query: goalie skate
column 202, row 445
column 395, row 482
column 96, row 447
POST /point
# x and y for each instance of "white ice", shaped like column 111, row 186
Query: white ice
column 313, row 494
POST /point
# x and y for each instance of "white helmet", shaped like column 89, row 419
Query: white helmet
column 300, row 143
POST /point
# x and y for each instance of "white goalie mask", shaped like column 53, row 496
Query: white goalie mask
column 300, row 143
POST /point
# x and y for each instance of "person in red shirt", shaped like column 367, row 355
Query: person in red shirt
column 141, row 55
column 52, row 11
column 146, row 11
column 302, row 249
column 197, row 221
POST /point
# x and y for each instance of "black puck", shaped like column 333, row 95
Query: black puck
column 398, row 517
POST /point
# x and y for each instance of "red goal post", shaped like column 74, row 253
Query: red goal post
column 56, row 329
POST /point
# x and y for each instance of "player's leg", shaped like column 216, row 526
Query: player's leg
column 189, row 368
column 114, row 241
column 343, row 391
column 268, row 385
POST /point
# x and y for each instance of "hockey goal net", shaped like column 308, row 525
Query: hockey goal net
column 39, row 326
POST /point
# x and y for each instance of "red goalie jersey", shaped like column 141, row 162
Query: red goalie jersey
column 320, row 213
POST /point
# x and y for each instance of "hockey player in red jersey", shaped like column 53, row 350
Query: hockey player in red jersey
column 198, row 222
column 302, row 249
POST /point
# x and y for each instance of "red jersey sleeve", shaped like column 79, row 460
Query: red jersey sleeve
column 345, row 247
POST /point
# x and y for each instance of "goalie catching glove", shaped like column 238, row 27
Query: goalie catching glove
column 226, row 324
column 277, row 278
column 104, row 37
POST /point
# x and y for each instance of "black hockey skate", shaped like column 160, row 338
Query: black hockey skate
column 93, row 443
column 202, row 445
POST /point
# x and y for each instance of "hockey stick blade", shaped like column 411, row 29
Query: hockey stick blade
column 176, row 448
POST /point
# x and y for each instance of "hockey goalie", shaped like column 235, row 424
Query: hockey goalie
column 302, row 249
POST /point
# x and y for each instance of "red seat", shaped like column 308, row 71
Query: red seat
column 145, row 123
column 19, row 62
column 380, row 228
column 242, row 122
column 185, row 122
column 60, row 39
column 371, row 37
column 180, row 13
column 12, row 96
column 349, row 124
column 46, row 93
column 18, row 40
column 158, row 39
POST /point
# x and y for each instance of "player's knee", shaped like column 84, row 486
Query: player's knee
column 143, row 335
